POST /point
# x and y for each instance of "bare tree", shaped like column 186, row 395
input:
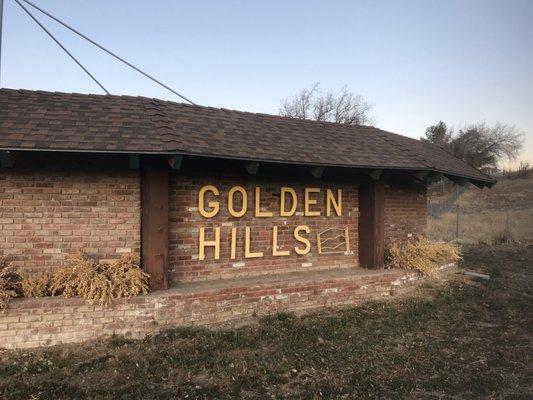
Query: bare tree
column 483, row 146
column 439, row 134
column 480, row 145
column 343, row 108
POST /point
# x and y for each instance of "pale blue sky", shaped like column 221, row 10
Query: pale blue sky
column 417, row 61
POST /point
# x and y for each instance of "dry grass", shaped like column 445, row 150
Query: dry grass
column 101, row 282
column 127, row 279
column 86, row 278
column 524, row 170
column 484, row 226
column 501, row 214
column 422, row 255
column 8, row 288
column 39, row 285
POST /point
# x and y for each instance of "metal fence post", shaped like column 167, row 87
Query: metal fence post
column 507, row 234
column 507, row 227
column 457, row 222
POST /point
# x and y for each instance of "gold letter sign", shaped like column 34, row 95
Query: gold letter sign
column 231, row 194
column 337, row 204
column 309, row 202
column 294, row 202
column 204, row 243
column 213, row 204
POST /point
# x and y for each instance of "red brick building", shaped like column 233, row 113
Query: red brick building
column 211, row 199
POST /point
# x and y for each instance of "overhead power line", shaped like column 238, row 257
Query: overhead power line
column 1, row 29
column 60, row 45
column 107, row 51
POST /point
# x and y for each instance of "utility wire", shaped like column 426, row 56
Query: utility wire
column 60, row 45
column 1, row 29
column 107, row 51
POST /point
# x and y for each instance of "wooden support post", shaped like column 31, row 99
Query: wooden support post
column 371, row 224
column 154, row 224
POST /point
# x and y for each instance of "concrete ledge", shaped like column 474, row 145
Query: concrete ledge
column 30, row 323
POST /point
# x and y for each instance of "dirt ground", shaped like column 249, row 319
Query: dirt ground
column 466, row 339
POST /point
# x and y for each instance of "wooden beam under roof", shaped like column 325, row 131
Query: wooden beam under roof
column 175, row 161
column 252, row 167
column 375, row 174
column 317, row 171
column 6, row 159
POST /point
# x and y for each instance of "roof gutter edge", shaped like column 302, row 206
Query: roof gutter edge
column 489, row 179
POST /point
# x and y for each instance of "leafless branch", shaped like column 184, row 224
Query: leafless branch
column 342, row 108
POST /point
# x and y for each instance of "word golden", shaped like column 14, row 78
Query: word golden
column 210, row 208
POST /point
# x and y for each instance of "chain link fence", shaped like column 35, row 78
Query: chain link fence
column 438, row 208
column 456, row 213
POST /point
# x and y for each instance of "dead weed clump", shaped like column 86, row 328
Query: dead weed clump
column 504, row 237
column 8, row 284
column 127, row 279
column 422, row 255
column 100, row 282
column 36, row 285
column 86, row 278
column 83, row 277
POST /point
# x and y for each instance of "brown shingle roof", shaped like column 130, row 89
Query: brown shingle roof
column 60, row 121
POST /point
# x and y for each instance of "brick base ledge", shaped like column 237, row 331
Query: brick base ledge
column 30, row 323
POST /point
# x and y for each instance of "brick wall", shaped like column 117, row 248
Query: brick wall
column 44, row 215
column 185, row 221
column 405, row 211
column 30, row 323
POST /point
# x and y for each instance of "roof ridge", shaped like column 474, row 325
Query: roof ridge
column 161, row 123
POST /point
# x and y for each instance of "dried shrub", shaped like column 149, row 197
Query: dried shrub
column 84, row 277
column 99, row 281
column 422, row 255
column 523, row 170
column 505, row 237
column 8, row 284
column 127, row 279
column 36, row 285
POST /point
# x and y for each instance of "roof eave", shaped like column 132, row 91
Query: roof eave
column 489, row 181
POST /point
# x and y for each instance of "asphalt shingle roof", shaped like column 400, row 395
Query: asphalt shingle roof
column 37, row 120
